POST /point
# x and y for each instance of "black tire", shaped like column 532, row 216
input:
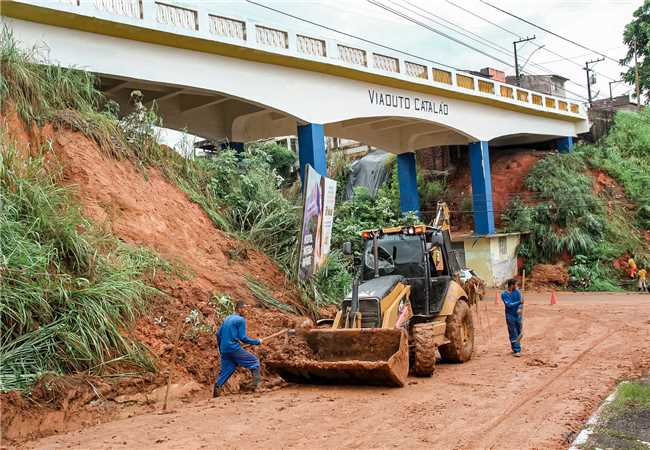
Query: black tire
column 460, row 332
column 424, row 350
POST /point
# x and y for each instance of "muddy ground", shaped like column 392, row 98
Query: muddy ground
column 574, row 354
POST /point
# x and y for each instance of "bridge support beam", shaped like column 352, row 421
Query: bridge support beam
column 409, row 199
column 479, row 159
column 311, row 148
column 565, row 145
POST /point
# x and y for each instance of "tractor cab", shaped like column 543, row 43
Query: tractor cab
column 419, row 255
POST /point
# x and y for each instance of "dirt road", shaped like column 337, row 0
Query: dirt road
column 574, row 353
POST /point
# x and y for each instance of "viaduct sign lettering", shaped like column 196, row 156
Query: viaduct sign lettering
column 407, row 102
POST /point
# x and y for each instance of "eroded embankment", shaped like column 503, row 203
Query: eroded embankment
column 140, row 206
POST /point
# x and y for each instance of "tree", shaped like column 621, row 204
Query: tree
column 637, row 37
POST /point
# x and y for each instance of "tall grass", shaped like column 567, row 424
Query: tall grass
column 242, row 196
column 623, row 154
column 68, row 292
column 571, row 219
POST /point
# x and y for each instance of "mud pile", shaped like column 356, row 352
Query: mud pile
column 549, row 276
column 346, row 356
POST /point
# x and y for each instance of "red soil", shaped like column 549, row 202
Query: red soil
column 574, row 353
column 509, row 170
column 139, row 206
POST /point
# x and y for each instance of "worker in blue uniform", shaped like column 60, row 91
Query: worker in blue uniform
column 230, row 335
column 513, row 302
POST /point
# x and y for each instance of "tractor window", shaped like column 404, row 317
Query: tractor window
column 405, row 254
column 385, row 261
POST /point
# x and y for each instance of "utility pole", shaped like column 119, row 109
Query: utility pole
column 517, row 74
column 588, row 70
column 611, row 96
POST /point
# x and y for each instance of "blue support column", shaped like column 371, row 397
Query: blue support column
column 311, row 148
column 565, row 145
column 409, row 199
column 236, row 146
column 479, row 160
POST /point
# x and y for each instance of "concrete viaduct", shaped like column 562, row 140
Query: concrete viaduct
column 224, row 77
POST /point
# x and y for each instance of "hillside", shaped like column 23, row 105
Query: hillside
column 114, row 249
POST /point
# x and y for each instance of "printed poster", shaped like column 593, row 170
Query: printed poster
column 319, row 197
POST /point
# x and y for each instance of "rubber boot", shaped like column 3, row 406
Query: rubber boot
column 256, row 378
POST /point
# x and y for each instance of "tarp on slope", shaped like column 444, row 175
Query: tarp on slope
column 371, row 172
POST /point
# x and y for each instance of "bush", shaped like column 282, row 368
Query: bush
column 570, row 219
column 280, row 159
column 360, row 213
column 68, row 291
column 431, row 191
column 623, row 154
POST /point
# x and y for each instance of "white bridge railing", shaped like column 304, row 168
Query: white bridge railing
column 202, row 20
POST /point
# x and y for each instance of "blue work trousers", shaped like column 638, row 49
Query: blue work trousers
column 514, row 330
column 230, row 361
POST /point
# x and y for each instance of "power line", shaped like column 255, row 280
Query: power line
column 483, row 19
column 481, row 39
column 362, row 39
column 546, row 30
column 387, row 47
column 562, row 58
column 582, row 56
column 423, row 25
column 502, row 49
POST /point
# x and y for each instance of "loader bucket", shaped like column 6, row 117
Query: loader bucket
column 369, row 356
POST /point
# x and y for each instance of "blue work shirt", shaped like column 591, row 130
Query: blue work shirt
column 231, row 332
column 512, row 300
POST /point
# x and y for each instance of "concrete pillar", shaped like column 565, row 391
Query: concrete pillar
column 479, row 161
column 237, row 146
column 409, row 199
column 565, row 145
column 311, row 148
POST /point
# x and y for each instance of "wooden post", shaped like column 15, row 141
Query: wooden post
column 179, row 332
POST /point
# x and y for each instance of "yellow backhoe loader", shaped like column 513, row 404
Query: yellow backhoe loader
column 405, row 305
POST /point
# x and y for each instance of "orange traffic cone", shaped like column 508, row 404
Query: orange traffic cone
column 553, row 298
column 496, row 298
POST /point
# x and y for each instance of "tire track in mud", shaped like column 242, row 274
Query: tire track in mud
column 493, row 427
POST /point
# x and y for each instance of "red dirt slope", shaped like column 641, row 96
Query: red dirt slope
column 509, row 170
column 141, row 207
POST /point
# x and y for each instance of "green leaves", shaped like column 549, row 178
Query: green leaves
column 64, row 302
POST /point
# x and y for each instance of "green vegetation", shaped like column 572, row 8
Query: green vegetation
column 71, row 292
column 624, row 155
column 570, row 218
column 68, row 291
column 632, row 395
column 637, row 38
column 623, row 423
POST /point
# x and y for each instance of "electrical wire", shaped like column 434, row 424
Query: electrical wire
column 494, row 44
column 424, row 25
column 411, row 19
column 546, row 49
column 362, row 39
column 546, row 30
column 387, row 47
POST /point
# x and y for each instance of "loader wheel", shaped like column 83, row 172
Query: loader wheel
column 424, row 350
column 460, row 332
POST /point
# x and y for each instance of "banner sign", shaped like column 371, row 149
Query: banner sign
column 319, row 197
